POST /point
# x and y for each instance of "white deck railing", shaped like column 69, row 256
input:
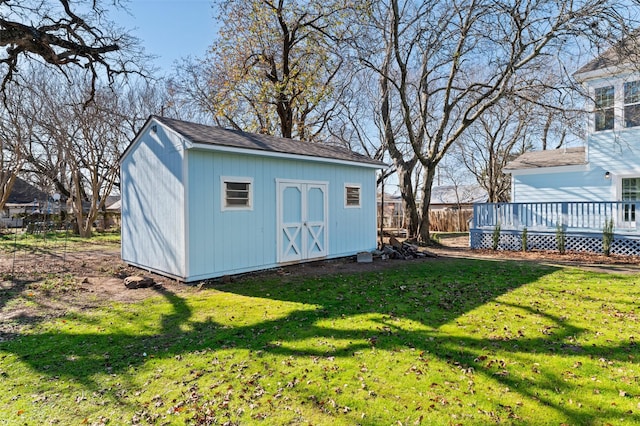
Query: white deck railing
column 581, row 216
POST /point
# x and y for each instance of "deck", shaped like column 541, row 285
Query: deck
column 581, row 223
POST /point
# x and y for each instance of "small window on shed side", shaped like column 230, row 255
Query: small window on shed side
column 237, row 193
column 352, row 195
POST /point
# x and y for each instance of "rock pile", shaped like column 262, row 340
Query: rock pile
column 403, row 250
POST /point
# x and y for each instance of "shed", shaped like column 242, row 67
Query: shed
column 201, row 202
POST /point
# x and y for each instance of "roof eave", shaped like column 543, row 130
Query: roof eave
column 274, row 154
column 134, row 140
column 153, row 120
column 604, row 72
column 547, row 169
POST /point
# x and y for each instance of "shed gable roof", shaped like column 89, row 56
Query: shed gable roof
column 550, row 158
column 217, row 136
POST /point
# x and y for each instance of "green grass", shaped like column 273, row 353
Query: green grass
column 435, row 343
column 13, row 240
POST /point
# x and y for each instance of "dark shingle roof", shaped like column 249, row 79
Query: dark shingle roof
column 549, row 158
column 203, row 134
column 23, row 192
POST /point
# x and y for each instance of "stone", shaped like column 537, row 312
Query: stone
column 364, row 257
column 136, row 281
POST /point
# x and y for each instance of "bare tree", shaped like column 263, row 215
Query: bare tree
column 17, row 126
column 491, row 142
column 273, row 69
column 65, row 34
column 77, row 144
column 444, row 64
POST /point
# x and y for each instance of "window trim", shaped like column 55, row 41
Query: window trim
column 603, row 110
column 223, row 193
column 628, row 210
column 347, row 186
column 626, row 103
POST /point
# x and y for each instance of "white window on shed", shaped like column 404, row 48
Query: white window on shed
column 351, row 195
column 237, row 193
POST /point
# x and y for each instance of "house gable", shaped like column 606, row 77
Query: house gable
column 23, row 192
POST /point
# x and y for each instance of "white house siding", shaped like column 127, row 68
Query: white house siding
column 153, row 203
column 227, row 242
column 616, row 151
column 568, row 186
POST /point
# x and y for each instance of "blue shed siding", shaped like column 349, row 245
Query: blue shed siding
column 152, row 190
column 223, row 240
column 226, row 242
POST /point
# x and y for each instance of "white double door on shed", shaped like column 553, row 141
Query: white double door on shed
column 302, row 220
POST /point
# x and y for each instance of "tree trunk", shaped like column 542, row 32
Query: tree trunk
column 409, row 206
column 424, row 235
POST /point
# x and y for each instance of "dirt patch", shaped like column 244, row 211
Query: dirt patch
column 39, row 286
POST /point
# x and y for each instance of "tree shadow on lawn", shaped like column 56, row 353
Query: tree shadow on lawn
column 400, row 308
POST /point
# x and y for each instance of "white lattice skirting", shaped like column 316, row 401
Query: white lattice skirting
column 583, row 242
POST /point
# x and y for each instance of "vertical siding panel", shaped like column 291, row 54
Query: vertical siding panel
column 238, row 241
column 153, row 204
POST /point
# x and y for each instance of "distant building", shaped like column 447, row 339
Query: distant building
column 445, row 201
column 24, row 199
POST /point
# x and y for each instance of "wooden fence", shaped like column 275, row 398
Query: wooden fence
column 439, row 221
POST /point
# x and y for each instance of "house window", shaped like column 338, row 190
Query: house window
column 604, row 98
column 630, row 192
column 237, row 193
column 632, row 104
column 352, row 195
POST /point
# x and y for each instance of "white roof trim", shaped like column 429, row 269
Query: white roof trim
column 547, row 170
column 614, row 71
column 236, row 150
column 145, row 129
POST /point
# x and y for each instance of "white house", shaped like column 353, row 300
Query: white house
column 201, row 202
column 579, row 189
column 607, row 168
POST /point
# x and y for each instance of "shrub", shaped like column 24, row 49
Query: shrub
column 607, row 237
column 495, row 237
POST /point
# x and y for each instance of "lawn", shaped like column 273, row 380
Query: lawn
column 17, row 240
column 432, row 342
